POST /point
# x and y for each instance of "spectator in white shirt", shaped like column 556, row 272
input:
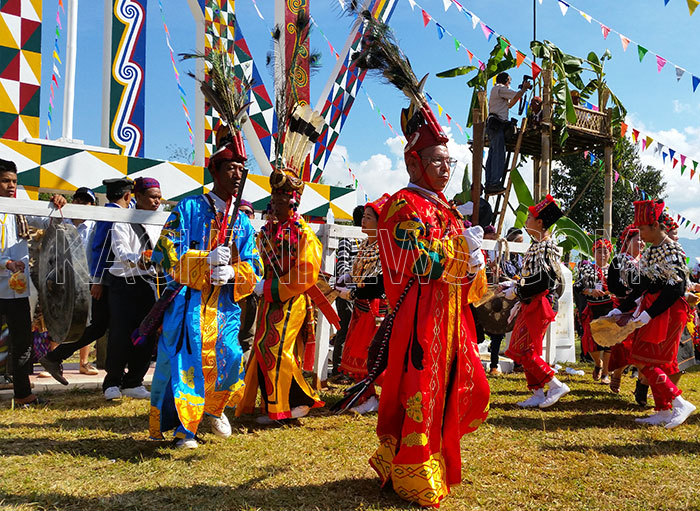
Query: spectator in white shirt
column 501, row 99
column 14, row 284
column 131, row 297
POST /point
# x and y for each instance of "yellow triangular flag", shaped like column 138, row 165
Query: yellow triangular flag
column 692, row 5
column 439, row 109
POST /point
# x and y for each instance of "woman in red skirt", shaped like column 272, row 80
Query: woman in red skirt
column 369, row 304
column 623, row 271
column 592, row 283
column 662, row 314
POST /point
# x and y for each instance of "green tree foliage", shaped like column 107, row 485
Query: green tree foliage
column 573, row 173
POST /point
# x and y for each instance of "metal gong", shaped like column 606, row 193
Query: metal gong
column 64, row 281
column 493, row 315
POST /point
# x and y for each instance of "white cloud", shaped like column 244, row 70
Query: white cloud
column 681, row 191
column 679, row 107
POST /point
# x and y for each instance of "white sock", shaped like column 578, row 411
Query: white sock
column 554, row 383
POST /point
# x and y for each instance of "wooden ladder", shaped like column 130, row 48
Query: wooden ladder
column 506, row 194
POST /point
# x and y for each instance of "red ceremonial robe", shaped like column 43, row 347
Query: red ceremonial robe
column 435, row 389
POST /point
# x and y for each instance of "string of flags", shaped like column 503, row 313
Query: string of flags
column 55, row 74
column 374, row 107
column 489, row 34
column 183, row 94
column 619, row 178
column 353, row 178
column 642, row 51
column 692, row 5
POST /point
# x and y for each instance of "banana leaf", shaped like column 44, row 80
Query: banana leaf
column 456, row 71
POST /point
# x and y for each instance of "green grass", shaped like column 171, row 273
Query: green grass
column 587, row 453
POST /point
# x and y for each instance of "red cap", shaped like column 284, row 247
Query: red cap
column 646, row 212
column 421, row 129
column 234, row 150
column 378, row 204
column 546, row 210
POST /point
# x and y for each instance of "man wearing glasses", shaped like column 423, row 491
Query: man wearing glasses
column 435, row 388
column 501, row 99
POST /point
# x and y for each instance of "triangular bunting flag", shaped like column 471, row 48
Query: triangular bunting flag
column 413, row 3
column 695, row 165
column 679, row 73
column 519, row 58
column 683, row 167
column 440, row 30
column 457, row 44
column 605, row 30
column 440, row 109
column 625, row 42
column 692, row 5
column 586, row 17
column 671, row 152
column 447, row 4
column 635, row 135
column 449, row 119
column 623, row 129
column 664, row 156
column 487, row 31
column 617, row 176
column 696, row 81
column 692, row 174
column 564, row 7
column 683, row 159
column 649, row 140
column 641, row 50
column 471, row 56
column 675, row 162
column 660, row 63
column 535, row 71
column 504, row 44
column 426, row 18
column 475, row 19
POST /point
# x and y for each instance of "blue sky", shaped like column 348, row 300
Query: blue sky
column 658, row 105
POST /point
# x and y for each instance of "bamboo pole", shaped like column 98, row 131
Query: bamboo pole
column 546, row 157
column 478, row 118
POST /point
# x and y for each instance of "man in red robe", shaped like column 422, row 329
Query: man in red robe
column 435, row 389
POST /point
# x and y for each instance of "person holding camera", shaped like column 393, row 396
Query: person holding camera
column 501, row 99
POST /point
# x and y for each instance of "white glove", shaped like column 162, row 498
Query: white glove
column 345, row 293
column 475, row 236
column 343, row 279
column 509, row 293
column 259, row 288
column 220, row 275
column 219, row 256
column 476, row 261
column 614, row 313
column 643, row 318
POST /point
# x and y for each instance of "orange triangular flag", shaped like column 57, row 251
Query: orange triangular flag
column 623, row 129
column 519, row 58
column 625, row 42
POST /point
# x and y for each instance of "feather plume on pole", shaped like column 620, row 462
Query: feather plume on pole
column 223, row 91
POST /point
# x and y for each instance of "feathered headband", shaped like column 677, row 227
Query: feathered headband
column 228, row 95
column 380, row 52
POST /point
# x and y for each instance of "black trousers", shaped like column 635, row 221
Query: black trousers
column 345, row 314
column 96, row 329
column 129, row 302
column 19, row 322
column 496, row 340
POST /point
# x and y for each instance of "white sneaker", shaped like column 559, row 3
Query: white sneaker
column 186, row 443
column 554, row 395
column 112, row 393
column 299, row 411
column 371, row 405
column 220, row 426
column 656, row 419
column 534, row 400
column 139, row 392
column 681, row 411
